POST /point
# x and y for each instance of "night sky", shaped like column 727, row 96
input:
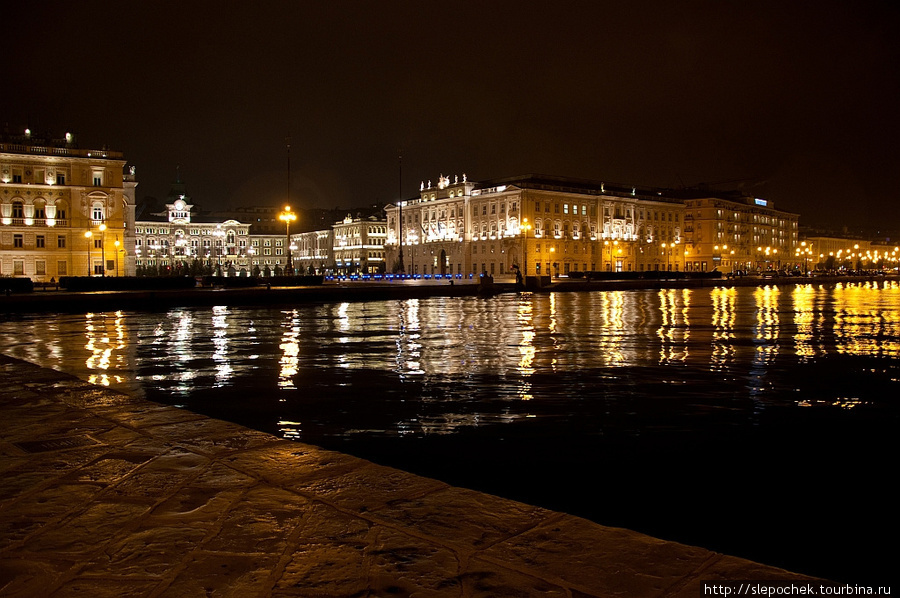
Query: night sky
column 796, row 102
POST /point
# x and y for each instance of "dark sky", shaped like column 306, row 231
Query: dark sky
column 796, row 102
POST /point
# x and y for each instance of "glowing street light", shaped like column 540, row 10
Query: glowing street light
column 525, row 228
column 287, row 216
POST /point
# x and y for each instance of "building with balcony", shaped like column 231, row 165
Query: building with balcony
column 179, row 241
column 547, row 225
column 730, row 232
column 358, row 245
column 540, row 224
column 64, row 211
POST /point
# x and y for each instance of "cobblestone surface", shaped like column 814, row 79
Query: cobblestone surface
column 106, row 495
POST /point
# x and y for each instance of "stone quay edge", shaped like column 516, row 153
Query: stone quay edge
column 104, row 494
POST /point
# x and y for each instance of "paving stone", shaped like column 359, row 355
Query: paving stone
column 147, row 552
column 25, row 578
column 729, row 568
column 86, row 532
column 212, row 437
column 618, row 562
column 464, row 517
column 82, row 587
column 371, row 487
column 325, row 570
column 162, row 502
column 110, row 467
column 292, row 463
column 223, row 576
column 488, row 580
column 262, row 520
column 191, row 505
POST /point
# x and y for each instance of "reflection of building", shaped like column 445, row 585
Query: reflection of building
column 554, row 225
column 64, row 211
column 730, row 232
column 359, row 245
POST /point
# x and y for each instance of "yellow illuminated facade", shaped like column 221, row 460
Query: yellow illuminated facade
column 539, row 224
column 64, row 211
column 739, row 233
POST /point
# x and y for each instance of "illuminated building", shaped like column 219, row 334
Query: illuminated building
column 569, row 225
column 573, row 225
column 64, row 211
column 728, row 232
column 359, row 245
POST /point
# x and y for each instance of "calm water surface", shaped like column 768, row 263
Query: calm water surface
column 759, row 422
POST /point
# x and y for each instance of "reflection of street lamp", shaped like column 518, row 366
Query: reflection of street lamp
column 287, row 217
column 88, row 235
column 525, row 227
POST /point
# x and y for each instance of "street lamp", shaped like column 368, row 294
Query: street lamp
column 287, row 216
column 609, row 267
column 525, row 227
column 103, row 248
column 117, row 255
column 88, row 235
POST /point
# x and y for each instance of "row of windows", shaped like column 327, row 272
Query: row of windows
column 40, row 241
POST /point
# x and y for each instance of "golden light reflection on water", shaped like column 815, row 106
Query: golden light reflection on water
column 862, row 328
column 673, row 332
column 220, row 340
column 290, row 349
column 509, row 339
column 723, row 315
column 768, row 323
column 804, row 298
column 612, row 326
column 409, row 349
column 104, row 342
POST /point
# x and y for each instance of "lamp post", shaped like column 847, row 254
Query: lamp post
column 609, row 267
column 287, row 216
column 116, row 243
column 102, row 249
column 525, row 227
column 89, row 235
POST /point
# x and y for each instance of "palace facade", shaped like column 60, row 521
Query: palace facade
column 547, row 225
column 64, row 211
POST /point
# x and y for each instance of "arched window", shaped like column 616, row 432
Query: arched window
column 61, row 210
column 97, row 212
column 18, row 209
column 39, row 211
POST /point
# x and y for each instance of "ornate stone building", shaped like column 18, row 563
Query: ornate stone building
column 540, row 224
column 64, row 211
column 546, row 225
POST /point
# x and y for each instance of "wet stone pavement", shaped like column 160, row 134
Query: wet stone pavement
column 104, row 495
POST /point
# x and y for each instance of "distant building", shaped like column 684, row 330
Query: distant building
column 359, row 245
column 176, row 241
column 731, row 232
column 64, row 211
column 549, row 225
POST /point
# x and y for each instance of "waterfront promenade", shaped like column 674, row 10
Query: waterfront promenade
column 104, row 495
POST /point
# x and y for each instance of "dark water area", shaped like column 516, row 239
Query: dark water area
column 759, row 422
